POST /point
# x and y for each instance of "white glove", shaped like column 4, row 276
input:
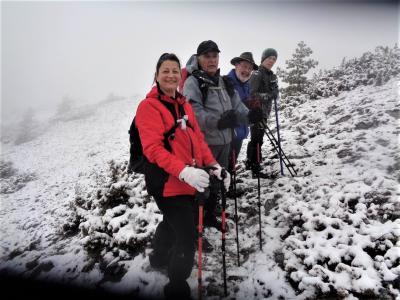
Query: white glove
column 197, row 178
column 217, row 173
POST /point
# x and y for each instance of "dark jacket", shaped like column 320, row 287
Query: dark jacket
column 264, row 86
column 188, row 147
column 243, row 88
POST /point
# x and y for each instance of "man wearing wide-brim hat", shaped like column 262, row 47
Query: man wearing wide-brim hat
column 245, row 56
column 239, row 76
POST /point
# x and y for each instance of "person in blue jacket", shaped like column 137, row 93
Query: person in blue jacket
column 239, row 76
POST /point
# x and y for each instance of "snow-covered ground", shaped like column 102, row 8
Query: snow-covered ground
column 331, row 231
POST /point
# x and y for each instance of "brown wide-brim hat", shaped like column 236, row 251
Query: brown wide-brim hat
column 247, row 56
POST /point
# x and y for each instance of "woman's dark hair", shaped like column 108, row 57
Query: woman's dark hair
column 167, row 56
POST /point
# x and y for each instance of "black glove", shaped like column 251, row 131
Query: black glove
column 228, row 120
column 274, row 88
column 255, row 115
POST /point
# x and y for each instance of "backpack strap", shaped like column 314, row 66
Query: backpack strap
column 204, row 83
column 170, row 133
column 137, row 160
column 230, row 88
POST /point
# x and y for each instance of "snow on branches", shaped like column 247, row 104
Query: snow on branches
column 114, row 215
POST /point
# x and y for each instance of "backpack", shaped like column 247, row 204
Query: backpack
column 205, row 83
column 185, row 74
column 137, row 160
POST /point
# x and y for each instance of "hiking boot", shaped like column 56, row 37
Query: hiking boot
column 177, row 290
column 256, row 174
column 212, row 221
column 255, row 168
column 248, row 164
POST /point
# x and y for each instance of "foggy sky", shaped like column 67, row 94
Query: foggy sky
column 86, row 50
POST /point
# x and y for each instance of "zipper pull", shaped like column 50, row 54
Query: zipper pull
column 183, row 122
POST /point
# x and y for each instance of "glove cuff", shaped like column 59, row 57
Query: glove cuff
column 182, row 173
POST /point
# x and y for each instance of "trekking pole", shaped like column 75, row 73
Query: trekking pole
column 200, row 198
column 288, row 166
column 223, row 198
column 236, row 212
column 274, row 143
column 279, row 136
column 259, row 192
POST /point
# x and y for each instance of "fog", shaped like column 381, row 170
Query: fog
column 87, row 50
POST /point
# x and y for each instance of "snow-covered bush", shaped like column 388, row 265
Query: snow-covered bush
column 336, row 246
column 291, row 102
column 372, row 68
column 6, row 169
column 11, row 179
column 343, row 235
column 116, row 215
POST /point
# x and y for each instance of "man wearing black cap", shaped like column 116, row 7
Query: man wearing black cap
column 263, row 90
column 218, row 110
column 239, row 76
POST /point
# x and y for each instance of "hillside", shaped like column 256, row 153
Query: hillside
column 71, row 214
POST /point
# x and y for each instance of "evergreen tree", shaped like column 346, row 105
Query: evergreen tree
column 296, row 69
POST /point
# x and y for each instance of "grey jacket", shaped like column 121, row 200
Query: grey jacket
column 216, row 103
column 264, row 86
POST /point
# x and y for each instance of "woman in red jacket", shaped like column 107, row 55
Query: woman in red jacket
column 173, row 172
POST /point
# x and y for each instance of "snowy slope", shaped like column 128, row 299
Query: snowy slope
column 67, row 153
column 342, row 215
column 332, row 230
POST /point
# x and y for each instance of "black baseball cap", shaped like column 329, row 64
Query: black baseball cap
column 207, row 46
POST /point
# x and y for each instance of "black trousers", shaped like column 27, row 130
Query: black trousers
column 174, row 239
column 256, row 137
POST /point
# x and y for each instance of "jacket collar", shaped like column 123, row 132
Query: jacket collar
column 233, row 75
column 156, row 93
column 265, row 70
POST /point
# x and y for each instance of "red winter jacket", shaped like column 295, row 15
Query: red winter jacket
column 153, row 119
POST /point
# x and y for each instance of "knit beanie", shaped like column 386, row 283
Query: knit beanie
column 267, row 53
